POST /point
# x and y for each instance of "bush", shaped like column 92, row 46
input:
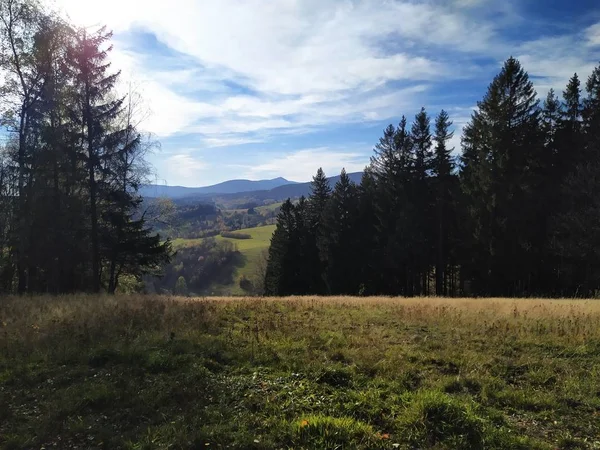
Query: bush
column 232, row 235
column 246, row 284
column 181, row 286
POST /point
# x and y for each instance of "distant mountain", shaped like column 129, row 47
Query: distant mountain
column 227, row 187
column 281, row 193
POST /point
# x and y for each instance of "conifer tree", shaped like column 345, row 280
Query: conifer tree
column 394, row 215
column 315, row 238
column 280, row 272
column 444, row 188
column 340, row 226
column 94, row 111
column 421, row 196
column 503, row 164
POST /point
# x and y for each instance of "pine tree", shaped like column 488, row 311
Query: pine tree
column 315, row 238
column 503, row 165
column 340, row 226
column 94, row 114
column 422, row 198
column 366, row 245
column 280, row 272
column 320, row 191
column 394, row 215
column 443, row 168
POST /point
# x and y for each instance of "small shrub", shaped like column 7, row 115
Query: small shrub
column 246, row 284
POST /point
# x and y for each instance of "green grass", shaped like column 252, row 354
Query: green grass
column 251, row 250
column 324, row 373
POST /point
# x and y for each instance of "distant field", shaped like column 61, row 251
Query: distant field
column 305, row 373
column 268, row 208
column 259, row 209
column 251, row 249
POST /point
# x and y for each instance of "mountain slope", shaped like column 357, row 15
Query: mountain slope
column 227, row 187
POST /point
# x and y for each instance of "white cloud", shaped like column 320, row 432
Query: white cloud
column 184, row 168
column 311, row 63
column 551, row 61
column 301, row 165
column 302, row 57
column 592, row 35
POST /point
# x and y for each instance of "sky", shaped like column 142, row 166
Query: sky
column 258, row 89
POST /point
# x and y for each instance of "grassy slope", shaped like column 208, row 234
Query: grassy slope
column 135, row 372
column 251, row 249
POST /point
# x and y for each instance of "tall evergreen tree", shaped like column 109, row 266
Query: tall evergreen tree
column 316, row 238
column 421, row 196
column 366, row 243
column 503, row 164
column 340, row 226
column 94, row 112
column 445, row 183
column 283, row 254
column 392, row 168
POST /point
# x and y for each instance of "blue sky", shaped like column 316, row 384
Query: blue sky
column 264, row 88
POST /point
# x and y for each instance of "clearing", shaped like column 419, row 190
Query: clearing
column 325, row 373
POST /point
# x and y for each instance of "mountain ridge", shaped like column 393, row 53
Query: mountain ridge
column 278, row 193
column 236, row 186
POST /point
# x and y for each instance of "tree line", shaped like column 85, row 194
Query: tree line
column 516, row 214
column 71, row 162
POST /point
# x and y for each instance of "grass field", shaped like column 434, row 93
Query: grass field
column 251, row 250
column 322, row 373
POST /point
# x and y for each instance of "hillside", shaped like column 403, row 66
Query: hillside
column 251, row 251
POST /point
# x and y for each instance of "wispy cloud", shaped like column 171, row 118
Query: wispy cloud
column 231, row 73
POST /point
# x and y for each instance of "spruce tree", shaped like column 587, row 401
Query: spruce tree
column 394, row 215
column 503, row 167
column 95, row 109
column 444, row 184
column 279, row 276
column 366, row 243
column 340, row 226
column 316, row 238
column 422, row 198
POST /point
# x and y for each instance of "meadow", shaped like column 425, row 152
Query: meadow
column 142, row 372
